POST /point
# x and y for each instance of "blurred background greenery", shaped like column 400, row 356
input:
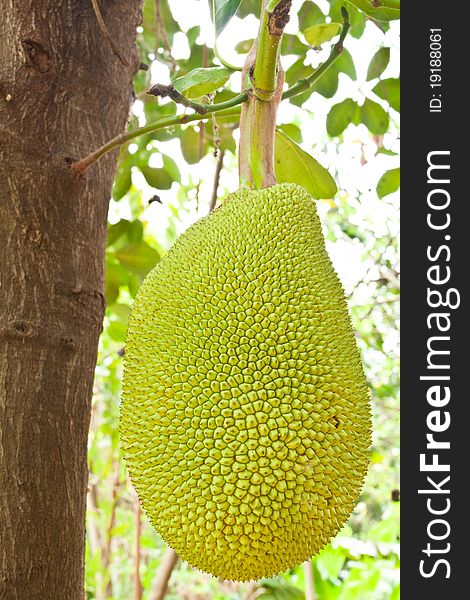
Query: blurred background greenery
column 166, row 180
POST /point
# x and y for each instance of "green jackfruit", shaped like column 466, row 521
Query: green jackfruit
column 245, row 419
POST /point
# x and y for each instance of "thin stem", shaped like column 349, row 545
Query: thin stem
column 160, row 582
column 215, row 187
column 224, row 108
column 264, row 74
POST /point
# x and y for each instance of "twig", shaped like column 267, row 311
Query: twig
column 309, row 583
column 169, row 91
column 162, row 577
column 82, row 165
column 138, row 530
column 105, row 32
column 218, row 169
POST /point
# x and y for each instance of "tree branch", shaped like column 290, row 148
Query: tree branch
column 223, row 109
column 160, row 582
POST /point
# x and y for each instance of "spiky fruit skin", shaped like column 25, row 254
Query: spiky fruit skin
column 245, row 418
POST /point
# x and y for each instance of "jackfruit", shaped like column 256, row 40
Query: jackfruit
column 245, row 419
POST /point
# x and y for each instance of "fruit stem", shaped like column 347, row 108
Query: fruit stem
column 263, row 78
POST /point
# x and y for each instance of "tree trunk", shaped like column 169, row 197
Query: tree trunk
column 64, row 91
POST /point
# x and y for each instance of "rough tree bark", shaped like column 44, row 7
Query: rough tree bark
column 64, row 91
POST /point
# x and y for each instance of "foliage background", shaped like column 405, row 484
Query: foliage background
column 165, row 181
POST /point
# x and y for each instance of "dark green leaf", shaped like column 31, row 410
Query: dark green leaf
column 112, row 282
column 389, row 90
column 122, row 183
column 327, row 85
column 340, row 116
column 388, row 183
column 221, row 13
column 117, row 230
column 135, row 231
column 378, row 64
column 310, row 14
column 385, row 10
column 292, row 131
column 201, row 81
column 316, row 35
column 139, row 257
column 248, row 7
column 294, row 165
column 374, row 117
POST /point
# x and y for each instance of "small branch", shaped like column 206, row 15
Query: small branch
column 169, row 91
column 105, row 32
column 224, row 109
column 82, row 165
column 218, row 169
column 304, row 84
column 162, row 577
column 138, row 530
column 309, row 582
column 264, row 72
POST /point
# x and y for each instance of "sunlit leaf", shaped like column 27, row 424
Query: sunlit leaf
column 292, row 131
column 294, row 165
column 385, row 10
column 139, row 257
column 388, row 183
column 201, row 81
column 316, row 35
column 158, row 178
column 340, row 116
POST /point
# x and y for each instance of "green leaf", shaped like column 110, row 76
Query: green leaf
column 291, row 44
column 139, row 257
column 374, row 117
column 112, row 282
column 340, row 116
column 244, row 46
column 384, row 10
column 157, row 178
column 388, row 183
column 345, row 64
column 389, row 90
column 316, row 35
column 386, row 151
column 378, row 64
column 171, row 168
column 189, row 141
column 221, row 13
column 310, row 14
column 201, row 81
column 116, row 231
column 327, row 85
column 294, row 165
column 117, row 331
column 122, row 183
column 292, row 131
